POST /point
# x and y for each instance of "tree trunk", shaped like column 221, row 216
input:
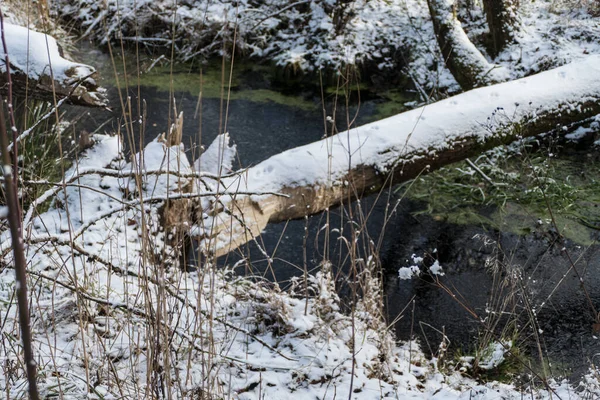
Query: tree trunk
column 501, row 17
column 468, row 66
column 311, row 178
column 342, row 13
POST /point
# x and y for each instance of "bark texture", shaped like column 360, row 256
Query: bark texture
column 78, row 92
column 501, row 16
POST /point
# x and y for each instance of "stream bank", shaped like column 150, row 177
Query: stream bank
column 265, row 118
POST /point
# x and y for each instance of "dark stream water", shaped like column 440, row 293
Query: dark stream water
column 563, row 327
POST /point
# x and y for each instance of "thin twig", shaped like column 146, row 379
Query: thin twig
column 480, row 172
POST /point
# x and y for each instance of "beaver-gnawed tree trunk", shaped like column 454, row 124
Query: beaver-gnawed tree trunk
column 501, row 16
column 466, row 63
column 309, row 179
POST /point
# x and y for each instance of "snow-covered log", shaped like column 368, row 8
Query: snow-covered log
column 468, row 66
column 311, row 178
column 38, row 70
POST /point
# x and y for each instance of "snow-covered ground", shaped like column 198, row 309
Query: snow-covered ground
column 115, row 317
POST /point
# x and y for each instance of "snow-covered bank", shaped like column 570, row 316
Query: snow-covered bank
column 114, row 316
column 27, row 49
column 39, row 70
column 394, row 35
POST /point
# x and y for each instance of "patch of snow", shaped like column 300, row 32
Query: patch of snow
column 436, row 269
column 218, row 158
column 417, row 259
column 494, row 355
column 406, row 273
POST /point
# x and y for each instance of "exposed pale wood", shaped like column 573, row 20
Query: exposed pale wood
column 175, row 212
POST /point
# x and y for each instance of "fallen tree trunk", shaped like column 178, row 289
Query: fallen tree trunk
column 38, row 70
column 466, row 63
column 311, row 178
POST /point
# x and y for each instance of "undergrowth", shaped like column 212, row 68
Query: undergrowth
column 46, row 151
